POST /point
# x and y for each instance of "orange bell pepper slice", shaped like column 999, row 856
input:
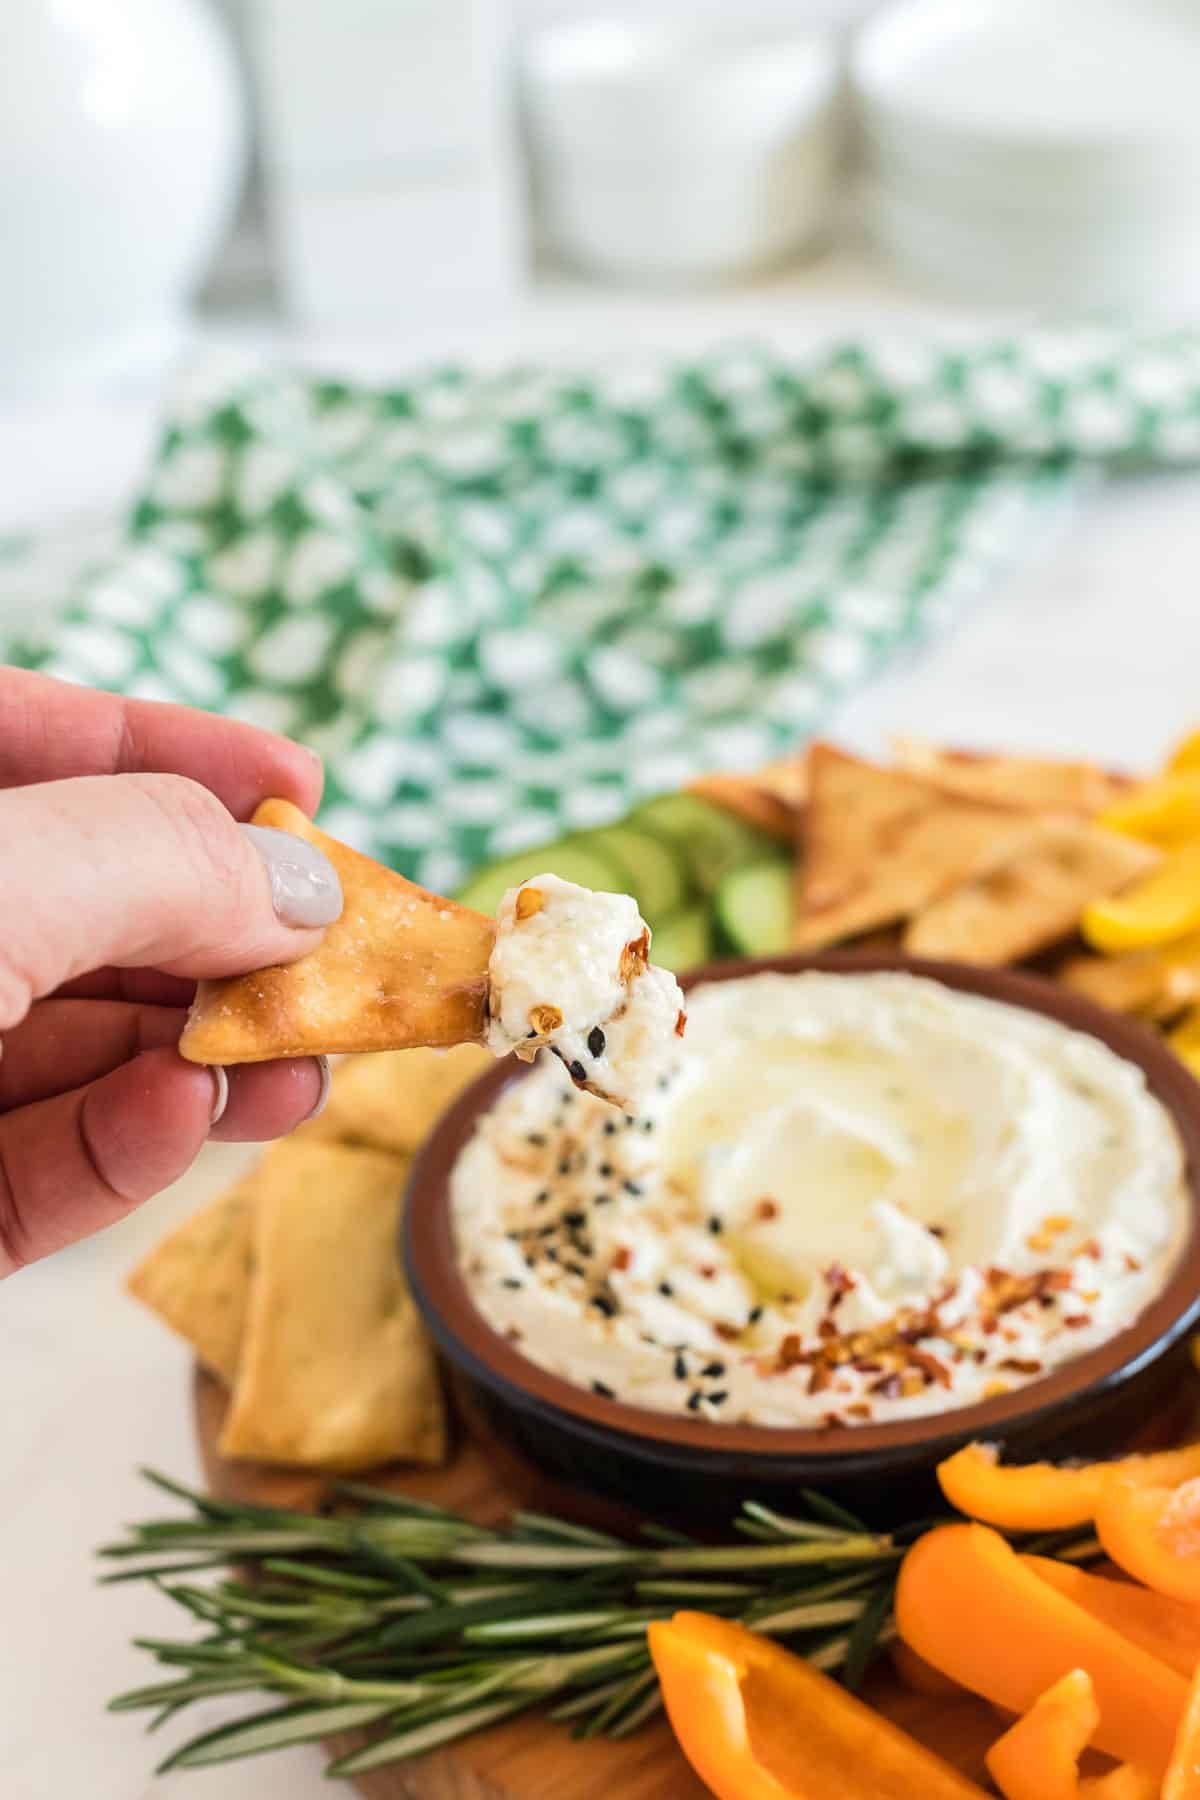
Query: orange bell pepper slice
column 1168, row 1629
column 1047, row 1496
column 921, row 1676
column 1164, row 812
column 758, row 1723
column 1153, row 1533
column 1185, row 755
column 1182, row 1781
column 1157, row 909
column 967, row 1604
column 1038, row 1757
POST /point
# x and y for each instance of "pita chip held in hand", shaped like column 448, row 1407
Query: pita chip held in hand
column 403, row 968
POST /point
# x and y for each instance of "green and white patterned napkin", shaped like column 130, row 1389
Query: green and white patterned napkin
column 507, row 605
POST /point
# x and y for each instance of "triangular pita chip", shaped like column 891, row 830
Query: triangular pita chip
column 879, row 844
column 1030, row 897
column 336, row 1371
column 391, row 1102
column 772, row 798
column 1042, row 784
column 401, row 967
column 198, row 1279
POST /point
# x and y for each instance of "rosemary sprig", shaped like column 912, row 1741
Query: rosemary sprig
column 405, row 1620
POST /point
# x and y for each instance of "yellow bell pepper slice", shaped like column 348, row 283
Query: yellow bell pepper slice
column 1159, row 908
column 1165, row 811
column 1185, row 1042
column 758, row 1723
column 1185, row 755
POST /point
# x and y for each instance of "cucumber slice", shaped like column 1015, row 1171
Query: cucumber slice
column 712, row 840
column 754, row 906
column 656, row 870
column 683, row 942
column 574, row 859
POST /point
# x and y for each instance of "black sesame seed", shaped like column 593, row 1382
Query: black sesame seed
column 602, row 1200
column 540, row 1198
column 536, row 1137
column 694, row 1399
column 576, row 1071
column 610, row 1128
column 602, row 1388
column 604, row 1303
column 666, row 1290
column 632, row 1187
column 755, row 1314
column 530, row 1034
column 647, row 1124
column 564, row 1168
column 545, row 1231
column 551, row 1253
column 573, row 1219
column 664, row 1081
column 720, row 1395
column 596, row 1041
column 714, row 1225
column 574, row 1268
column 680, row 1367
column 605, row 1169
column 510, row 1281
column 713, row 1369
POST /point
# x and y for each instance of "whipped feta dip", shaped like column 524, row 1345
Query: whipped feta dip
column 571, row 973
column 847, row 1198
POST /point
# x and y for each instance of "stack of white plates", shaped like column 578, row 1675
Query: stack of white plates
column 1041, row 152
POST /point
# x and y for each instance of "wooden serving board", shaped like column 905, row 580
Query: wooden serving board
column 529, row 1758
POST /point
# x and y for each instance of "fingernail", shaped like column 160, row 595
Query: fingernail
column 305, row 890
column 322, row 1099
column 220, row 1092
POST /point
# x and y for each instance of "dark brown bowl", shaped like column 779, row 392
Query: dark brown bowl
column 1093, row 1405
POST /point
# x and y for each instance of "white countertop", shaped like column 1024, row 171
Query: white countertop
column 1094, row 648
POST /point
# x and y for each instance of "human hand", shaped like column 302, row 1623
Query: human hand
column 124, row 878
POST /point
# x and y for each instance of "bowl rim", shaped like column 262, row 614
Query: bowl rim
column 469, row 1342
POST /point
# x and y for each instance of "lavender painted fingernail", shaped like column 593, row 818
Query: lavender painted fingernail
column 305, row 890
column 220, row 1093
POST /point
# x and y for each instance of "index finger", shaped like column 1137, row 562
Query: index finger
column 52, row 730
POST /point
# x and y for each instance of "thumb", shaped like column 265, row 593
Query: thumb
column 147, row 871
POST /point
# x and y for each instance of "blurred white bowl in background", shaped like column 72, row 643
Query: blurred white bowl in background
column 680, row 151
column 1046, row 155
column 121, row 154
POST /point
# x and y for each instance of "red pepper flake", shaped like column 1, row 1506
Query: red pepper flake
column 1058, row 1281
column 838, row 1280
column 1077, row 1321
column 729, row 1333
column 680, row 1022
column 888, row 1385
column 623, row 1258
column 832, row 1420
column 708, row 1270
column 820, row 1377
column 991, row 1325
column 860, row 1410
column 767, row 1209
column 634, row 958
column 790, row 1352
column 1092, row 1249
column 826, row 1327
column 513, row 1334
column 1131, row 1263
column 1022, row 1366
column 930, row 1366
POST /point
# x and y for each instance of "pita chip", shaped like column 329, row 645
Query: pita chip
column 401, row 967
column 392, row 1102
column 1030, row 897
column 198, row 1279
column 336, row 1371
column 880, row 844
column 1157, row 983
column 1041, row 784
column 771, row 798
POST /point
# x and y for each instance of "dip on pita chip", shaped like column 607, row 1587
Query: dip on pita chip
column 1030, row 897
column 391, row 1102
column 401, row 967
column 336, row 1371
column 880, row 844
column 198, row 1279
column 1157, row 983
column 1041, row 784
